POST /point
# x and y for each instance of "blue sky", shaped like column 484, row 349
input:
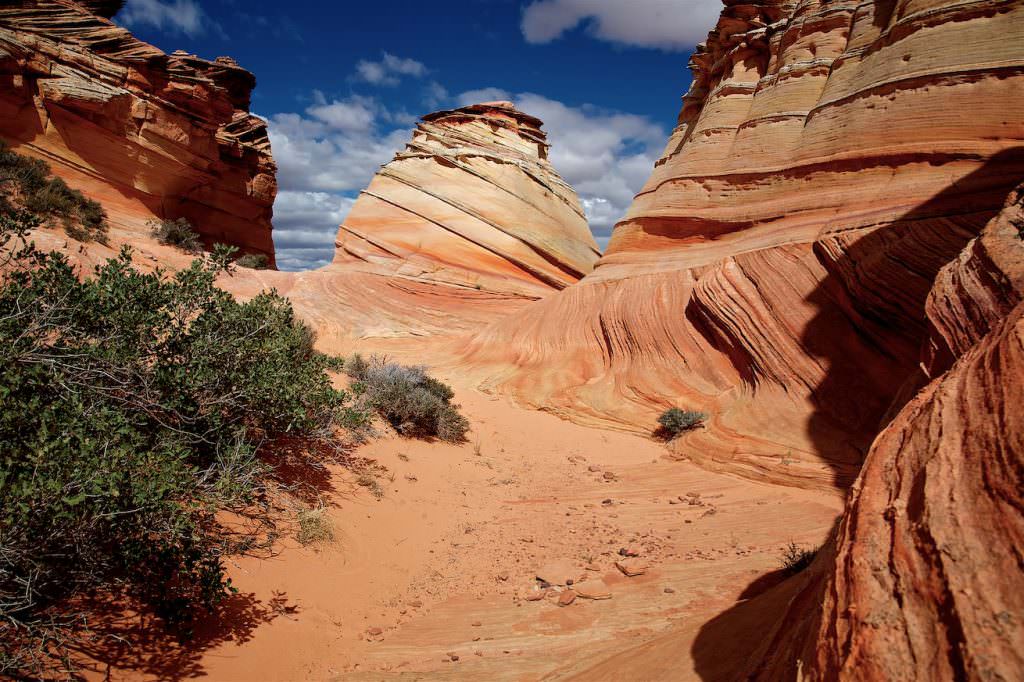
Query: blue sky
column 342, row 85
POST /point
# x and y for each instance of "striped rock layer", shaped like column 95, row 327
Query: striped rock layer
column 471, row 202
column 922, row 578
column 774, row 272
column 149, row 135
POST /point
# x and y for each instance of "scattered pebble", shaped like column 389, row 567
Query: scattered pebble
column 566, row 598
column 669, row 590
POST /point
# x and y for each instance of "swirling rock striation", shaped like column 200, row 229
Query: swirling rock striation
column 471, row 202
column 146, row 133
column 922, row 578
column 830, row 158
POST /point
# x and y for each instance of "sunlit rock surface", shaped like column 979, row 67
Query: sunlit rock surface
column 829, row 160
column 472, row 201
column 149, row 135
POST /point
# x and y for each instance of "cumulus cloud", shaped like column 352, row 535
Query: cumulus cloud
column 324, row 156
column 482, row 95
column 389, row 70
column 605, row 155
column 305, row 224
column 180, row 16
column 330, row 151
column 665, row 24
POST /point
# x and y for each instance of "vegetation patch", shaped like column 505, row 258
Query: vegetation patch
column 412, row 401
column 315, row 526
column 134, row 407
column 177, row 233
column 27, row 183
column 253, row 261
column 675, row 422
column 795, row 559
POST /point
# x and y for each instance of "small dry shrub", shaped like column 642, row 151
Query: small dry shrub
column 315, row 526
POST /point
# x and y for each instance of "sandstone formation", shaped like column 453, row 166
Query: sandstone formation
column 150, row 135
column 830, row 159
column 922, row 580
column 472, row 202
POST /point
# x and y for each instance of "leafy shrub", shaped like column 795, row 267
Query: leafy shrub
column 177, row 233
column 253, row 261
column 795, row 559
column 26, row 183
column 675, row 421
column 413, row 402
column 133, row 407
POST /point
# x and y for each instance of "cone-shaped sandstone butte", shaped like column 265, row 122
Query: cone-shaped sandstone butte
column 149, row 135
column 472, row 201
column 773, row 272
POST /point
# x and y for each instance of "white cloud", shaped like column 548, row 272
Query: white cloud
column 665, row 24
column 354, row 114
column 328, row 153
column 605, row 155
column 305, row 224
column 324, row 156
column 482, row 95
column 182, row 16
column 389, row 70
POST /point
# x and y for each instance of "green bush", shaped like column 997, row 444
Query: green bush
column 133, row 407
column 177, row 233
column 795, row 559
column 253, row 261
column 26, row 183
column 675, row 421
column 413, row 402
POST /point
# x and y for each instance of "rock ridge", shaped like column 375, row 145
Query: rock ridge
column 829, row 160
column 148, row 134
column 472, row 201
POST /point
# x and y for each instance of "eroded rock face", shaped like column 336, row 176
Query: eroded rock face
column 145, row 133
column 472, row 202
column 922, row 579
column 774, row 271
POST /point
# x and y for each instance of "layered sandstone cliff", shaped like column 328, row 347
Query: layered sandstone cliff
column 472, row 201
column 150, row 135
column 830, row 159
column 922, row 579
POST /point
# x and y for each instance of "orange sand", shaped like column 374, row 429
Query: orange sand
column 452, row 523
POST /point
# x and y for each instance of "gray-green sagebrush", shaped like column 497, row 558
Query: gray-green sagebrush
column 133, row 407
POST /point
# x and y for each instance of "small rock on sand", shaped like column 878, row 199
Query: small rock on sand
column 631, row 567
column 566, row 598
column 558, row 572
column 374, row 632
column 593, row 589
column 608, row 476
column 476, row 623
column 670, row 590
column 593, row 468
column 536, row 595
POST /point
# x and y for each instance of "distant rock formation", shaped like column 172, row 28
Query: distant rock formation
column 774, row 271
column 472, row 201
column 147, row 134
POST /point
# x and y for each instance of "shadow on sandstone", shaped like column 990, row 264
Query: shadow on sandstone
column 869, row 332
column 119, row 639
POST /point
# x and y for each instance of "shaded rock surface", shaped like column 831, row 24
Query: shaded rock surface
column 829, row 160
column 923, row 577
column 472, row 201
column 149, row 135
